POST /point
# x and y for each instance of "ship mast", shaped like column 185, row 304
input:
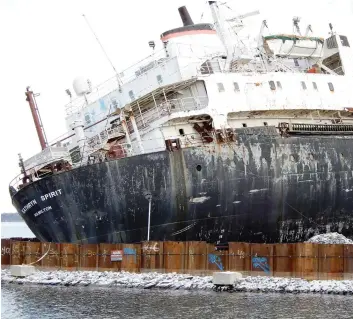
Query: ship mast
column 30, row 98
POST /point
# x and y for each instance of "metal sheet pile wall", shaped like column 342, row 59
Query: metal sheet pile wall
column 304, row 260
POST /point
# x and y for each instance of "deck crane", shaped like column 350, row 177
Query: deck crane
column 238, row 19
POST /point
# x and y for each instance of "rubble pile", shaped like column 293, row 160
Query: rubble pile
column 178, row 281
column 330, row 238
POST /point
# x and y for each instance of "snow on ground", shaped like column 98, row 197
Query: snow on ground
column 330, row 238
column 178, row 281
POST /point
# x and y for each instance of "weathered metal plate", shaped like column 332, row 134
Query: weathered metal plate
column 104, row 258
column 306, row 260
column 331, row 262
column 348, row 261
column 152, row 256
column 70, row 256
column 196, row 258
column 131, row 257
column 32, row 252
column 88, row 256
column 52, row 257
column 283, row 260
column 5, row 252
column 18, row 251
column 239, row 257
column 261, row 259
column 174, row 256
column 216, row 260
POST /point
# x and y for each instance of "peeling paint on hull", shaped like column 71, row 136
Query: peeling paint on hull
column 261, row 188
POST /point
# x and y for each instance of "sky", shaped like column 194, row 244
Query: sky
column 45, row 44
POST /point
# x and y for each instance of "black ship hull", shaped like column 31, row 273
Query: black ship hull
column 261, row 188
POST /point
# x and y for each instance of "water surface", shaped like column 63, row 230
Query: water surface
column 15, row 229
column 32, row 302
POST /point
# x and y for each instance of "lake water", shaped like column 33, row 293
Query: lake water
column 15, row 229
column 27, row 302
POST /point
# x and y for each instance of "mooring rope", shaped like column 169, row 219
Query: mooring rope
column 41, row 257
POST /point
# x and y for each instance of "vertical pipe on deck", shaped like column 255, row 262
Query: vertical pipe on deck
column 137, row 133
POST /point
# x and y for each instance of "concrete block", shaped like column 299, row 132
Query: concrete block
column 226, row 277
column 22, row 270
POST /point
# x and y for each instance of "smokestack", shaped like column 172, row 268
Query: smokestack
column 185, row 16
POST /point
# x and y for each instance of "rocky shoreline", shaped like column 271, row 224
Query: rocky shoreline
column 178, row 281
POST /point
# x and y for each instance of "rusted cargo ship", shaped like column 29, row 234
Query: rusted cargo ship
column 211, row 138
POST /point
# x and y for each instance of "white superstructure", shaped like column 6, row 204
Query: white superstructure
column 204, row 84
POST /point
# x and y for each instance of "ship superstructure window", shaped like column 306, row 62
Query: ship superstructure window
column 296, row 63
column 331, row 42
column 115, row 104
column 344, row 41
column 272, row 85
column 181, row 132
column 220, row 87
column 236, row 87
column 244, row 125
column 330, row 86
column 303, row 85
column 88, row 118
column 265, row 124
column 132, row 95
column 159, row 79
column 279, row 85
column 315, row 86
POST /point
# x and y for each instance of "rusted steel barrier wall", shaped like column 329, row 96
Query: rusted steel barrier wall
column 348, row 261
column 152, row 256
column 196, row 258
column 5, row 252
column 52, row 256
column 240, row 257
column 70, row 256
column 262, row 259
column 283, row 260
column 304, row 260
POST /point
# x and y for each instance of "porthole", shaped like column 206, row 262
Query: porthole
column 198, row 168
column 244, row 125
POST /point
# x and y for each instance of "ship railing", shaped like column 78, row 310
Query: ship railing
column 168, row 107
column 152, row 61
column 86, row 155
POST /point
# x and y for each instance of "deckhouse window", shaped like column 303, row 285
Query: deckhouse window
column 279, row 85
column 330, row 86
column 220, row 87
column 303, row 85
column 272, row 85
column 159, row 79
column 236, row 87
column 88, row 118
column 115, row 104
column 344, row 41
column 132, row 95
column 315, row 86
column 296, row 63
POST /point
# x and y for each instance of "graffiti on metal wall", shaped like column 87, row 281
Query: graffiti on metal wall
column 214, row 259
column 260, row 263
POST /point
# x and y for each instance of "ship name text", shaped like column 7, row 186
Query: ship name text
column 28, row 206
column 51, row 195
column 40, row 212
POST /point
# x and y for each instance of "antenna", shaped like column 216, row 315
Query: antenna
column 105, row 53
column 296, row 21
